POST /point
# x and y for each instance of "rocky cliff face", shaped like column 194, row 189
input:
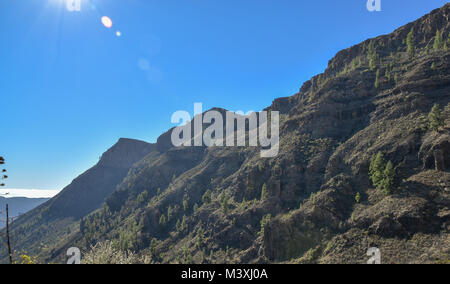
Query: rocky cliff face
column 314, row 202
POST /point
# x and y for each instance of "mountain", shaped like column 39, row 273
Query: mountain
column 320, row 200
column 18, row 206
column 53, row 220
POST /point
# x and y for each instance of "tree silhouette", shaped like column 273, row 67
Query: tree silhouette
column 3, row 174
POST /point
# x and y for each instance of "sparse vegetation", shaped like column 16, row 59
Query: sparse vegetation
column 109, row 253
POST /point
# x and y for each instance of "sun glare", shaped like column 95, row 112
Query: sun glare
column 107, row 22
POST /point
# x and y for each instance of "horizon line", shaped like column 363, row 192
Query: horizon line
column 28, row 193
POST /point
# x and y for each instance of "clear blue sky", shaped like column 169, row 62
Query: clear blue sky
column 70, row 88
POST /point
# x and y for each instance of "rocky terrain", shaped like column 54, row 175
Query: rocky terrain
column 315, row 202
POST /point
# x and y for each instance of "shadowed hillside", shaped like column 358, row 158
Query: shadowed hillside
column 325, row 198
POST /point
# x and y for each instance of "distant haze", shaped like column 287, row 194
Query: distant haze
column 29, row 193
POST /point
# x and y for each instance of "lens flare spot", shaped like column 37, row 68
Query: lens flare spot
column 107, row 22
column 118, row 34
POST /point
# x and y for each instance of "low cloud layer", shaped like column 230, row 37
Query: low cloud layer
column 29, row 193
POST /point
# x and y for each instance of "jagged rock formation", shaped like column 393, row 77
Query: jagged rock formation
column 373, row 97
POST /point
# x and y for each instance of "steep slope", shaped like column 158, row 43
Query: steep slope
column 314, row 202
column 18, row 206
column 374, row 97
column 57, row 217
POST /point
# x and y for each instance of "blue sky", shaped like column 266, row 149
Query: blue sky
column 70, row 87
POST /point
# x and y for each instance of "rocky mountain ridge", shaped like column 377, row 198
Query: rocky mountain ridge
column 313, row 203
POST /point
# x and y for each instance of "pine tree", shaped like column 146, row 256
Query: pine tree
column 377, row 79
column 437, row 41
column 372, row 64
column 354, row 64
column 435, row 118
column 169, row 213
column 377, row 166
column 186, row 203
column 358, row 197
column 264, row 221
column 3, row 171
column 264, row 192
column 388, row 75
column 153, row 245
column 388, row 178
column 381, row 174
column 184, row 225
column 411, row 49
column 142, row 197
column 207, row 197
column 162, row 220
column 372, row 56
column 224, row 203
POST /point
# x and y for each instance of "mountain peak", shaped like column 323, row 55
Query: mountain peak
column 125, row 153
